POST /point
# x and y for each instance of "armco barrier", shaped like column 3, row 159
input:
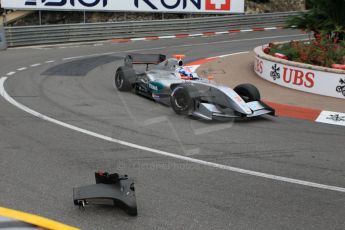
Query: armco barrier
column 50, row 34
column 299, row 76
column 3, row 44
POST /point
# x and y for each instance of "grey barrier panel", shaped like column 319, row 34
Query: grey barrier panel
column 3, row 44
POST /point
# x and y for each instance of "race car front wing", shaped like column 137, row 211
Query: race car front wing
column 209, row 111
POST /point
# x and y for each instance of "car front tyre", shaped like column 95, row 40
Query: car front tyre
column 181, row 101
column 248, row 92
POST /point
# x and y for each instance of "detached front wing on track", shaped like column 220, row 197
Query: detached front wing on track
column 209, row 111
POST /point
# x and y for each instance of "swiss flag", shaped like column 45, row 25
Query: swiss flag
column 218, row 5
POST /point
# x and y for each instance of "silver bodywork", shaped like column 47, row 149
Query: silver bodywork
column 226, row 103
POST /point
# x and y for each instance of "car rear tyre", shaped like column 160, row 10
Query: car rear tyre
column 122, row 78
column 248, row 92
column 182, row 101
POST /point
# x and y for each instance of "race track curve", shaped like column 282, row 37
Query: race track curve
column 40, row 162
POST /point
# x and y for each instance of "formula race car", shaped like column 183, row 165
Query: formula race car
column 169, row 82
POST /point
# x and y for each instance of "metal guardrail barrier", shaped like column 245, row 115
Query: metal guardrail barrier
column 3, row 44
column 52, row 34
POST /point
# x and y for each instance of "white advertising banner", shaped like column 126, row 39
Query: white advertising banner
column 307, row 80
column 180, row 6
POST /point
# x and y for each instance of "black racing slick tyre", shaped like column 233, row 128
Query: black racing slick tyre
column 182, row 99
column 123, row 77
column 248, row 92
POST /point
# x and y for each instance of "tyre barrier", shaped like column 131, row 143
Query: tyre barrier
column 299, row 76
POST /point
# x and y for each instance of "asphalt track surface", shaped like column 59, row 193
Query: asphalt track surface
column 41, row 162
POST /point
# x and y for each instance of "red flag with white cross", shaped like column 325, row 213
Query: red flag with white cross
column 218, row 5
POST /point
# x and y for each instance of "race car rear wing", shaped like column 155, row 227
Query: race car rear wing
column 144, row 59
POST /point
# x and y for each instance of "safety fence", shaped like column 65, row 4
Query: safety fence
column 52, row 34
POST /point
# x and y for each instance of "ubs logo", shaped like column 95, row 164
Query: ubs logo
column 86, row 3
column 275, row 73
column 336, row 118
column 341, row 88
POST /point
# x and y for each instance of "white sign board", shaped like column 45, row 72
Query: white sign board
column 307, row 80
column 180, row 6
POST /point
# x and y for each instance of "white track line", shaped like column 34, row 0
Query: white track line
column 196, row 35
column 138, row 39
column 7, row 97
column 167, row 37
column 224, row 32
column 35, row 65
column 22, row 69
column 11, row 73
column 271, row 28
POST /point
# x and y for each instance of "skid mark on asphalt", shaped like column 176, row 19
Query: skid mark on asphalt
column 79, row 67
column 8, row 98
